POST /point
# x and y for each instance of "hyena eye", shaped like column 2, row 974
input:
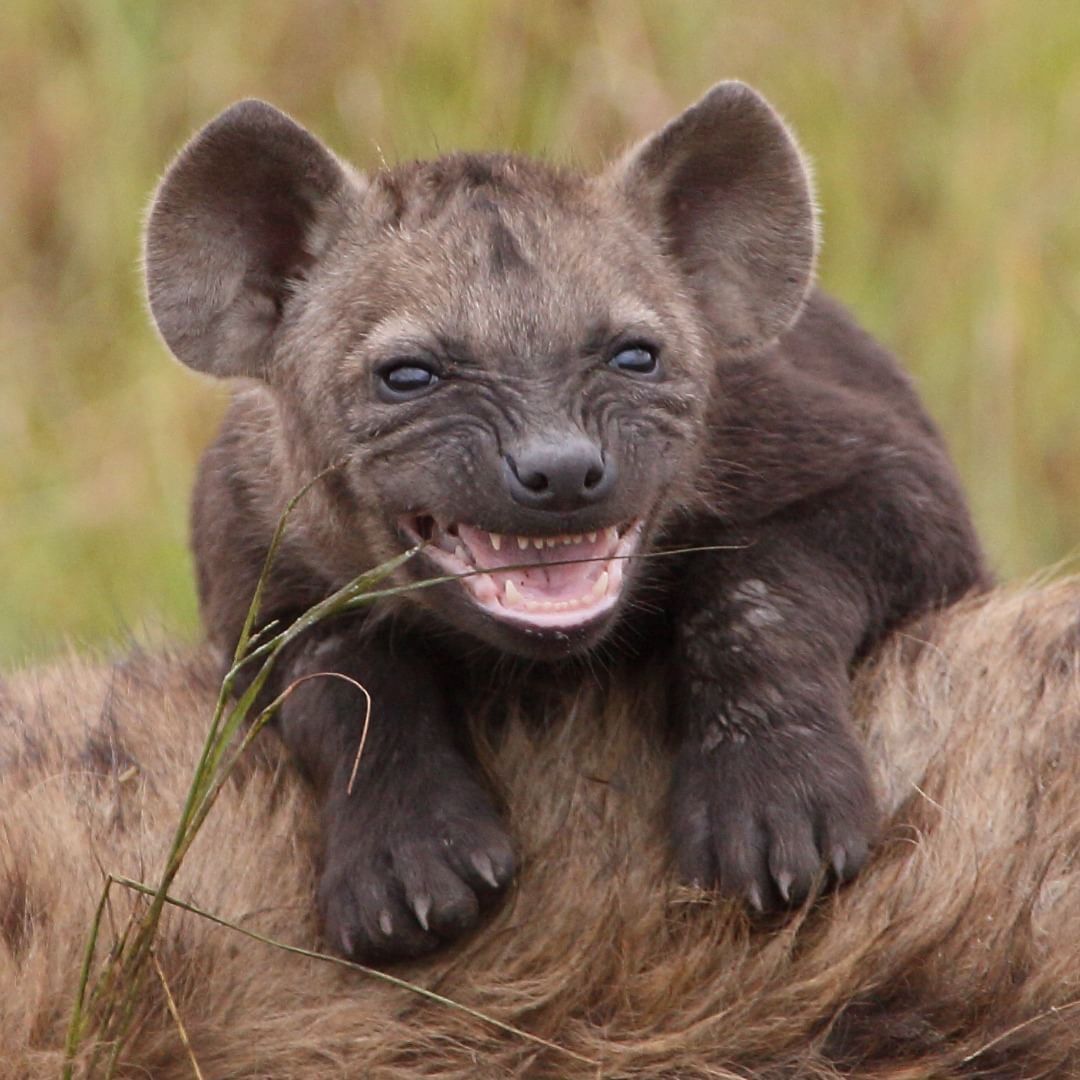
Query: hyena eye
column 404, row 379
column 637, row 359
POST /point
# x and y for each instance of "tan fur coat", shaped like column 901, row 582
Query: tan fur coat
column 955, row 954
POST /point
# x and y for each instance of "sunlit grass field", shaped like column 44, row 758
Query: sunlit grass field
column 946, row 139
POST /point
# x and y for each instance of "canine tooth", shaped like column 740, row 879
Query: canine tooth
column 592, row 538
column 512, row 596
column 599, row 589
column 611, row 534
column 616, row 574
column 483, row 587
column 496, row 540
column 523, row 542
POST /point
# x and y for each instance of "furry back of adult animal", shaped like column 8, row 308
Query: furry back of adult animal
column 954, row 954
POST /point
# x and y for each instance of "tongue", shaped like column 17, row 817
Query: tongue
column 540, row 580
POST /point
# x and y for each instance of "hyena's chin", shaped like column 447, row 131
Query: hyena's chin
column 553, row 583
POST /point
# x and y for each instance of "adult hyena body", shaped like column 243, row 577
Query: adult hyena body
column 543, row 376
column 955, row 954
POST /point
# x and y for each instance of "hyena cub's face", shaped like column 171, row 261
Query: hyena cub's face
column 512, row 363
column 516, row 380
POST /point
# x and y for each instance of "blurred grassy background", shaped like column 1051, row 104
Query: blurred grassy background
column 945, row 137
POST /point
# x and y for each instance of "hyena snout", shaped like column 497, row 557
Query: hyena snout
column 559, row 473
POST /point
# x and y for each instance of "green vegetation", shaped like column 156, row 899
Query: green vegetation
column 944, row 137
column 112, row 981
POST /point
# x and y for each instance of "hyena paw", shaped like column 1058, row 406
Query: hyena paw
column 766, row 818
column 403, row 886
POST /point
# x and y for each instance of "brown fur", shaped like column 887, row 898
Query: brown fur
column 486, row 344
column 955, row 954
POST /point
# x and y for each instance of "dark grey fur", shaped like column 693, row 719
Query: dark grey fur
column 775, row 429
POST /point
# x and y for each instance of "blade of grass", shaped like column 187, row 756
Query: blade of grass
column 210, row 776
column 268, row 562
column 170, row 1003
column 427, row 583
column 127, row 967
column 75, row 1028
column 374, row 973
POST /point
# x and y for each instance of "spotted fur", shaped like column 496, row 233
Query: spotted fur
column 956, row 954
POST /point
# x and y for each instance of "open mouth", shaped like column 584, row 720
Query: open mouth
column 548, row 582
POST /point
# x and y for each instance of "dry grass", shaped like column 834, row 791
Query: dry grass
column 112, row 978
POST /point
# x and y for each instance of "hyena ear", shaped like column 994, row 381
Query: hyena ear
column 244, row 211
column 729, row 191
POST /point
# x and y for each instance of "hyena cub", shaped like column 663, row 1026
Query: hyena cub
column 519, row 364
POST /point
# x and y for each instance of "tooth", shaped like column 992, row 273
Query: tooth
column 483, row 587
column 461, row 553
column 599, row 589
column 523, row 542
column 551, row 541
column 611, row 534
column 512, row 597
column 538, row 543
column 496, row 540
column 616, row 575
column 577, row 539
column 592, row 538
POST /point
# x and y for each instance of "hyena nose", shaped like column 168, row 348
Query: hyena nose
column 559, row 474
